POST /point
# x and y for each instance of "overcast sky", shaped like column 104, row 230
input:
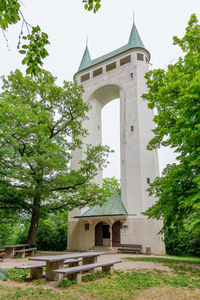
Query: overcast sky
column 68, row 25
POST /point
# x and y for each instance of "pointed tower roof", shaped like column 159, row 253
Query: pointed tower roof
column 134, row 39
column 86, row 60
column 133, row 42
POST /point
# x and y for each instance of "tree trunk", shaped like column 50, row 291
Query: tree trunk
column 32, row 235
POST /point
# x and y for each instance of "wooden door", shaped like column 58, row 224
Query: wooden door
column 116, row 234
column 99, row 234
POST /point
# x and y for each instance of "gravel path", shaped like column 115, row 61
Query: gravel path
column 128, row 264
column 9, row 263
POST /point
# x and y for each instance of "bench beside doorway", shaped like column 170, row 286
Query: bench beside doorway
column 128, row 248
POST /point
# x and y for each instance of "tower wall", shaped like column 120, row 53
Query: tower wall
column 138, row 165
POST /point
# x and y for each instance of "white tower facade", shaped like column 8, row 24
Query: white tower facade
column 119, row 74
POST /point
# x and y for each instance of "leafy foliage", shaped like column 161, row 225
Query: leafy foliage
column 18, row 275
column 52, row 229
column 111, row 186
column 175, row 94
column 52, row 232
column 9, row 13
column 92, row 5
column 41, row 125
column 35, row 50
column 8, row 226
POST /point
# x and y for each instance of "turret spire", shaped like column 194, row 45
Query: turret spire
column 133, row 18
column 134, row 39
column 86, row 59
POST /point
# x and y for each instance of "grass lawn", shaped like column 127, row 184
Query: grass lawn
column 182, row 282
column 168, row 260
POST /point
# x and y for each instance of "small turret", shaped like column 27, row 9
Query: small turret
column 134, row 39
column 86, row 59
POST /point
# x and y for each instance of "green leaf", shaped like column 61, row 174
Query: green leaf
column 22, row 51
column 24, row 61
column 29, row 70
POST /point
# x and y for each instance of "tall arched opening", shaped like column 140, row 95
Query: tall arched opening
column 105, row 103
column 111, row 137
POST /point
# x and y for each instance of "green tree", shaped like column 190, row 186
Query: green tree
column 111, row 186
column 41, row 125
column 52, row 232
column 175, row 94
column 35, row 39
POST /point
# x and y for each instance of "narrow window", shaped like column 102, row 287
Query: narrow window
column 125, row 60
column 148, row 180
column 131, row 75
column 97, row 72
column 87, row 226
column 98, row 127
column 111, row 66
column 146, row 59
column 140, row 56
column 85, row 77
column 132, row 128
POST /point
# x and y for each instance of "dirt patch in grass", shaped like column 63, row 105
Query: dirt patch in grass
column 168, row 293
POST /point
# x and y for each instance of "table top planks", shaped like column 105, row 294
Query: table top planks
column 15, row 246
column 62, row 257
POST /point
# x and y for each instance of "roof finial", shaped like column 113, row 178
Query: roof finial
column 86, row 40
column 133, row 17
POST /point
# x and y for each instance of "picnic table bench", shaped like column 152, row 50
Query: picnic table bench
column 55, row 262
column 23, row 252
column 130, row 248
column 76, row 272
column 36, row 271
column 10, row 249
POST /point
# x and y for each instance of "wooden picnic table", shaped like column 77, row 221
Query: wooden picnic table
column 55, row 262
column 10, row 249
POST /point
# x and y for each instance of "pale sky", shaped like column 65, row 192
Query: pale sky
column 68, row 25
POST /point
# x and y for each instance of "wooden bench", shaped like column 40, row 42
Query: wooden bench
column 72, row 262
column 23, row 252
column 128, row 248
column 36, row 271
column 75, row 273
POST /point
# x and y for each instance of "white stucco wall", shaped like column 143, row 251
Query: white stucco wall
column 137, row 163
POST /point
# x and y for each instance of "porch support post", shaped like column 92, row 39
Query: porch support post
column 110, row 235
column 110, row 222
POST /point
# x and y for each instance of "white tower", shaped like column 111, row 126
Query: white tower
column 119, row 74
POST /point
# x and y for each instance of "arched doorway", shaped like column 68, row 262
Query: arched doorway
column 116, row 234
column 102, row 234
